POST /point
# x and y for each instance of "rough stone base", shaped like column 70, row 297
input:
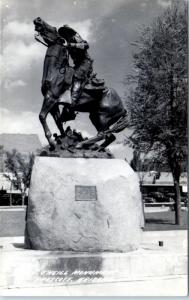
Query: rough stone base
column 65, row 214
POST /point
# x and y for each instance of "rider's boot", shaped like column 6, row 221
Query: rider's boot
column 69, row 111
column 76, row 92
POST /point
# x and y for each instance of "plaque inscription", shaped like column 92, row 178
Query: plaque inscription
column 85, row 193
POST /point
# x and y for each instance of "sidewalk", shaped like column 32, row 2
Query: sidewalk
column 164, row 286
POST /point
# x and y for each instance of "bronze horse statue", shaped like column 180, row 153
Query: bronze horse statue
column 105, row 107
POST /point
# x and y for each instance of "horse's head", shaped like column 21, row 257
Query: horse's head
column 46, row 31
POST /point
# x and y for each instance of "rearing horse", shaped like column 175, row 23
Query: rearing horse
column 105, row 107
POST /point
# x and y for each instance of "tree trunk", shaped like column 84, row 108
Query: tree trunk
column 23, row 197
column 178, row 203
column 143, row 206
column 10, row 199
column 174, row 163
column 10, row 195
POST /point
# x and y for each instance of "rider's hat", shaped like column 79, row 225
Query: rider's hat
column 66, row 31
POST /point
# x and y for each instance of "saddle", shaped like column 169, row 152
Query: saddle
column 95, row 83
column 92, row 83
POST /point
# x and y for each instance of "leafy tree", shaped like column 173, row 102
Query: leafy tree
column 158, row 98
column 136, row 161
column 19, row 170
column 137, row 164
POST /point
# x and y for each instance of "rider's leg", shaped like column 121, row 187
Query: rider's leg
column 76, row 91
column 68, row 112
column 81, row 75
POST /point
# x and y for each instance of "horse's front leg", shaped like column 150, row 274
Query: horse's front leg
column 48, row 104
column 55, row 112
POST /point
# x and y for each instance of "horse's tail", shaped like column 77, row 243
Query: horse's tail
column 121, row 124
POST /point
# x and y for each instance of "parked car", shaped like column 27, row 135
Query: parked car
column 159, row 197
column 147, row 199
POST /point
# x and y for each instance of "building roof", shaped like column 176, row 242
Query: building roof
column 5, row 184
column 165, row 178
column 24, row 143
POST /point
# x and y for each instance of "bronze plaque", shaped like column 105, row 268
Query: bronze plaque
column 85, row 193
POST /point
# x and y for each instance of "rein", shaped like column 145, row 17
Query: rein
column 37, row 39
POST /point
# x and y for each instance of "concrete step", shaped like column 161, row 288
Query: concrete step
column 31, row 268
column 156, row 286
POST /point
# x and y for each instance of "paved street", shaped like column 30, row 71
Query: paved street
column 12, row 222
column 164, row 220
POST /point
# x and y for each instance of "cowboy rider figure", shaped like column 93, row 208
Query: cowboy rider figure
column 83, row 64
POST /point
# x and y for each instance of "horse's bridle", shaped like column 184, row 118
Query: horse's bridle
column 36, row 36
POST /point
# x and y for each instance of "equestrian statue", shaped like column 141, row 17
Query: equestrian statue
column 88, row 93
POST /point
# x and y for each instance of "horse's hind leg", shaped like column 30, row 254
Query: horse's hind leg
column 48, row 103
column 110, row 138
column 100, row 124
column 99, row 120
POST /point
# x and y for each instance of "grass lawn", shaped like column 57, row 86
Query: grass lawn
column 12, row 223
column 165, row 220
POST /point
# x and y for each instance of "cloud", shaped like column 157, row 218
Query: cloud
column 28, row 122
column 22, row 30
column 9, row 84
column 84, row 28
column 22, row 53
column 164, row 3
column 120, row 151
column 107, row 7
column 16, row 61
column 22, row 122
column 18, row 30
column 143, row 4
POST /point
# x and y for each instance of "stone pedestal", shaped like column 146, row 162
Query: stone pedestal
column 78, row 204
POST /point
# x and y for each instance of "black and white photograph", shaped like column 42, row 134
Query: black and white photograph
column 93, row 148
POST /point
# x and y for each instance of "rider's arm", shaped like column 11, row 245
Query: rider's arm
column 79, row 43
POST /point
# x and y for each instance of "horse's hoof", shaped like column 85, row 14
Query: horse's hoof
column 44, row 153
column 101, row 149
column 52, row 148
column 94, row 147
column 63, row 135
column 55, row 135
column 71, row 150
column 79, row 146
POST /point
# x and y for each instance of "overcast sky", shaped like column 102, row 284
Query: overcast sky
column 108, row 25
